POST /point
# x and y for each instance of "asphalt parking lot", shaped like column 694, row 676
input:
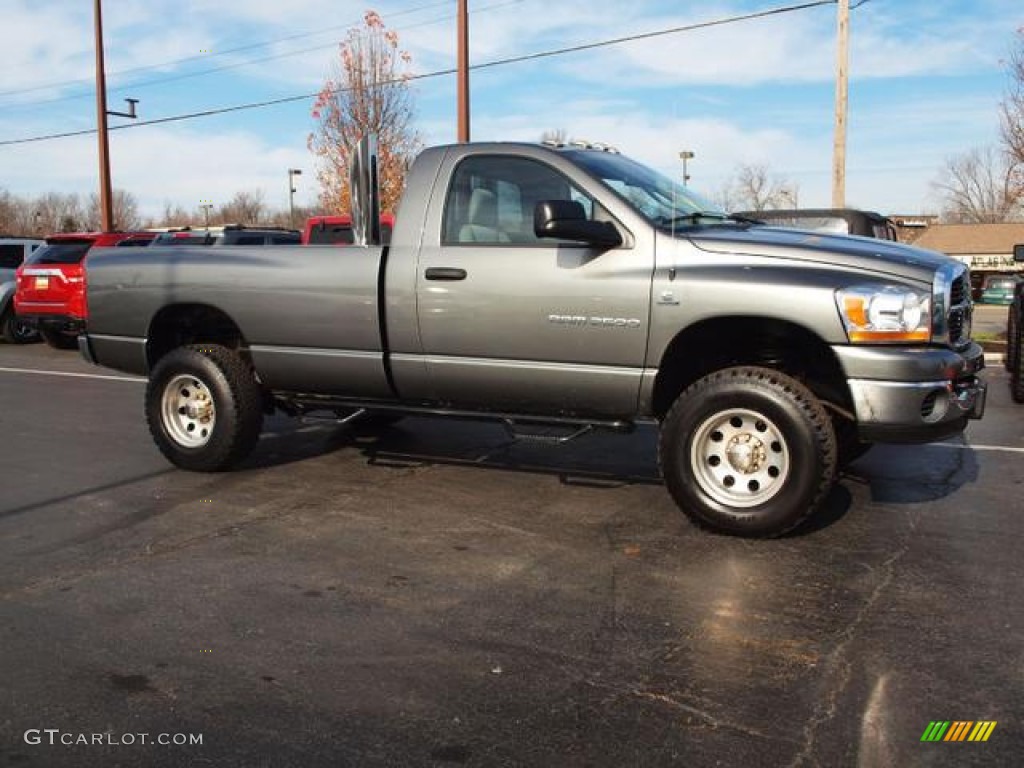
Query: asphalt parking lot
column 432, row 594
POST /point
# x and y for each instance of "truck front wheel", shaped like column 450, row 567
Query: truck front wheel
column 748, row 451
column 204, row 407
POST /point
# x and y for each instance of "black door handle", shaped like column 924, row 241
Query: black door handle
column 445, row 273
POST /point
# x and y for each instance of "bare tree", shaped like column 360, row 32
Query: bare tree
column 124, row 213
column 978, row 188
column 246, row 207
column 1011, row 116
column 59, row 213
column 555, row 136
column 756, row 189
column 9, row 213
column 368, row 92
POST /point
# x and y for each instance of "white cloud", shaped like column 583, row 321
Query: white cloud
column 182, row 165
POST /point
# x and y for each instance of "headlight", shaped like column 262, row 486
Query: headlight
column 885, row 314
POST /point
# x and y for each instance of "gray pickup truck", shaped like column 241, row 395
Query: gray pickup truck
column 564, row 286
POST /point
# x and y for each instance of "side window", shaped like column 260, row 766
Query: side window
column 492, row 198
column 249, row 240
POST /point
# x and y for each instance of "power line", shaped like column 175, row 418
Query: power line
column 237, row 65
column 440, row 73
column 206, row 56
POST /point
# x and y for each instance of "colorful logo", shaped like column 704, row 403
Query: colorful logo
column 958, row 730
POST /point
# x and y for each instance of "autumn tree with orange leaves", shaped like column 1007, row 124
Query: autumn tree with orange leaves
column 367, row 92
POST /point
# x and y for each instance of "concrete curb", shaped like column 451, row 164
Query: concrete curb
column 993, row 359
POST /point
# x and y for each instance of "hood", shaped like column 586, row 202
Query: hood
column 865, row 253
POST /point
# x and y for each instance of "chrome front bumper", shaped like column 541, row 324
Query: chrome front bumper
column 893, row 409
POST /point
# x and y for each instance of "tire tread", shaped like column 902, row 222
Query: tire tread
column 799, row 395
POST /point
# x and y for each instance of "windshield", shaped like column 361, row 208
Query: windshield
column 667, row 205
column 67, row 252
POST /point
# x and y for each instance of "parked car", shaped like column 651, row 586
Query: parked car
column 998, row 289
column 337, row 230
column 232, row 234
column 50, row 295
column 844, row 221
column 13, row 251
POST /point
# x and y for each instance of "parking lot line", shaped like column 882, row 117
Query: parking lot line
column 74, row 375
column 966, row 446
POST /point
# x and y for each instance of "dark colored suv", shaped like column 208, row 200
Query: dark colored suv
column 50, row 294
column 843, row 221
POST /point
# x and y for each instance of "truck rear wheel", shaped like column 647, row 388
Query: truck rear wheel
column 204, row 407
column 748, row 451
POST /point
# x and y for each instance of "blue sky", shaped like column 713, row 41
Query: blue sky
column 926, row 80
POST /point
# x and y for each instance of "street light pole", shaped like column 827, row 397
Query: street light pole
column 292, row 173
column 684, row 156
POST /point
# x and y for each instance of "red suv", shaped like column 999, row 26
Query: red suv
column 51, row 283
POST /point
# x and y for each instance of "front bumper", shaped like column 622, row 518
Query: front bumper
column 906, row 395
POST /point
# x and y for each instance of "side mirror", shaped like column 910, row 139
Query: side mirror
column 1018, row 252
column 566, row 220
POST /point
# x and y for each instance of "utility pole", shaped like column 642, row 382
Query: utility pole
column 106, row 193
column 839, row 143
column 463, row 69
column 106, row 214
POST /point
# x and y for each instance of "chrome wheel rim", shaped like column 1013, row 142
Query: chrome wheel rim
column 188, row 411
column 740, row 458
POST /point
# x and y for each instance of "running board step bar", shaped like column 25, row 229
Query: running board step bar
column 552, row 435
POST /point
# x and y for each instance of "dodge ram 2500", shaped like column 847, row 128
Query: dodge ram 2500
column 562, row 285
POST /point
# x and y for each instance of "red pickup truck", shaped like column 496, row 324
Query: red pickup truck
column 331, row 230
column 50, row 294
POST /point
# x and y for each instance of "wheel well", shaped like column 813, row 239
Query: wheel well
column 725, row 342
column 181, row 324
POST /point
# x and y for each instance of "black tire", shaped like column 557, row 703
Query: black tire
column 849, row 447
column 1012, row 338
column 204, row 407
column 15, row 330
column 59, row 340
column 1017, row 371
column 765, row 417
